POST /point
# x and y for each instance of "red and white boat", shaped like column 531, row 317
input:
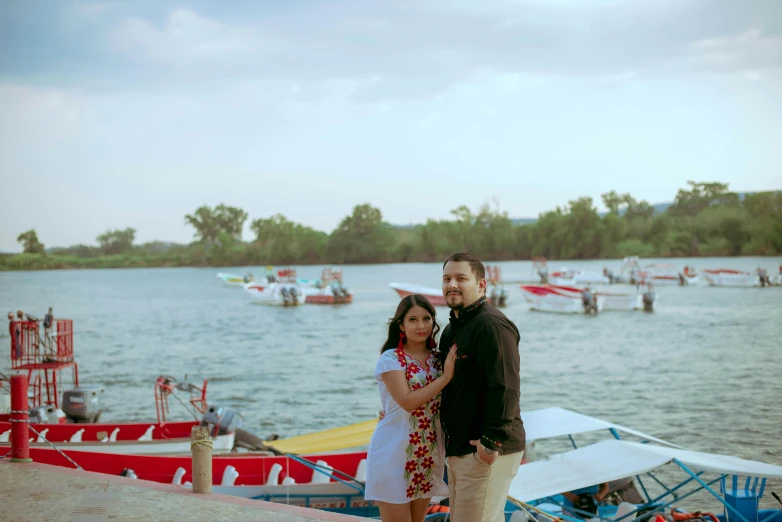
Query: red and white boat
column 728, row 277
column 665, row 274
column 329, row 289
column 434, row 295
column 143, row 446
column 560, row 299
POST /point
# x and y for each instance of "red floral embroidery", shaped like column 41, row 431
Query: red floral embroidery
column 422, row 435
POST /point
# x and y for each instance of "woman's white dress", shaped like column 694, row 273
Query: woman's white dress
column 406, row 456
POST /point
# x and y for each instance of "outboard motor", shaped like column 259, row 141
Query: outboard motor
column 589, row 302
column 286, row 298
column 294, row 296
column 648, row 301
column 503, row 297
column 543, row 273
column 221, row 421
column 82, row 404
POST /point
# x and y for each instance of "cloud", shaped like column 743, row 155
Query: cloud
column 750, row 51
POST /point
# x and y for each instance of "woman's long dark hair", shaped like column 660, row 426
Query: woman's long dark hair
column 401, row 311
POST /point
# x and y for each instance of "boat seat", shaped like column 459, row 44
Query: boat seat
column 112, row 437
column 178, row 474
column 361, row 472
column 147, row 434
column 274, row 475
column 4, row 436
column 623, row 509
column 42, row 435
column 320, row 476
column 229, row 476
column 287, row 481
column 76, row 437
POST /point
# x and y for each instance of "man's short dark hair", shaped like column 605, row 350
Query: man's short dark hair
column 476, row 265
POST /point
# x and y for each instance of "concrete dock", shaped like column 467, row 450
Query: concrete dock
column 39, row 492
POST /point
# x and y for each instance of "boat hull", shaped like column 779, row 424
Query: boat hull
column 220, row 444
column 434, row 295
column 731, row 278
column 622, row 302
column 328, row 299
column 126, row 431
column 557, row 299
column 276, row 294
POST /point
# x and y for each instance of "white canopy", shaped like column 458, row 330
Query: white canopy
column 616, row 459
column 556, row 422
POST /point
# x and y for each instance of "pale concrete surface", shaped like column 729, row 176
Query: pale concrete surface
column 38, row 492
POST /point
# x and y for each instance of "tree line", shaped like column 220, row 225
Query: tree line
column 705, row 219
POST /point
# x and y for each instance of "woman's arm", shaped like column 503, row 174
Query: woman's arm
column 409, row 400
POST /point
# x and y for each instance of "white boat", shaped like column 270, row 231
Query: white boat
column 569, row 277
column 276, row 294
column 144, row 446
column 728, row 277
column 622, row 302
column 434, row 295
column 560, row 299
column 665, row 274
column 233, row 280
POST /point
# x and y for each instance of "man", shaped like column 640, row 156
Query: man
column 480, row 414
column 15, row 331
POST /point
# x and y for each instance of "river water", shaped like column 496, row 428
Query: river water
column 704, row 370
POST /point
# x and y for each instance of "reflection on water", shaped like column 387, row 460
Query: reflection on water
column 704, row 370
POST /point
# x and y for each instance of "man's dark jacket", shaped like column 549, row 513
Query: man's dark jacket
column 482, row 399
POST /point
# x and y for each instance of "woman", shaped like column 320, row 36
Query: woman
column 406, row 458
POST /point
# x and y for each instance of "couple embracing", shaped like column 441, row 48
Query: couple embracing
column 458, row 404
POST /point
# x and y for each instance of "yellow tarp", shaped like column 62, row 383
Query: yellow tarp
column 344, row 437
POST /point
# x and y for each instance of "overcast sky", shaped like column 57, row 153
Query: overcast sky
column 117, row 114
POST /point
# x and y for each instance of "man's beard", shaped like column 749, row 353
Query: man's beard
column 459, row 306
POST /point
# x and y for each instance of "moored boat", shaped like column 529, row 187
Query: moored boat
column 562, row 299
column 737, row 278
column 434, row 295
column 233, row 280
column 329, row 289
column 666, row 274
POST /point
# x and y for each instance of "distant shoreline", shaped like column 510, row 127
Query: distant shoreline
column 52, row 262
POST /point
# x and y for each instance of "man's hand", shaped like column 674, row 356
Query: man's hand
column 485, row 457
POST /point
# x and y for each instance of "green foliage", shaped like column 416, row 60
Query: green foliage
column 114, row 242
column 209, row 223
column 29, row 240
column 706, row 219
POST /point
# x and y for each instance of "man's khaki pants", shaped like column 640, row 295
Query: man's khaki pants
column 478, row 491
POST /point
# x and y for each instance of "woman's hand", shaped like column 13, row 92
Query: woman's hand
column 450, row 364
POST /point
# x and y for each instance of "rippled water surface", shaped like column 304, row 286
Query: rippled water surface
column 704, row 370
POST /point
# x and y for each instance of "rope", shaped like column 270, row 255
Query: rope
column 55, row 447
column 201, row 442
column 527, row 508
column 20, row 412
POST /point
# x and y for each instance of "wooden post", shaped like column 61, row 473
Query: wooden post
column 201, row 448
column 20, row 424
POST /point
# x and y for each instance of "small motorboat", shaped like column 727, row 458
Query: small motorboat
column 562, row 299
column 329, row 289
column 235, row 281
column 738, row 278
column 665, row 274
column 277, row 294
column 570, row 277
column 434, row 295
